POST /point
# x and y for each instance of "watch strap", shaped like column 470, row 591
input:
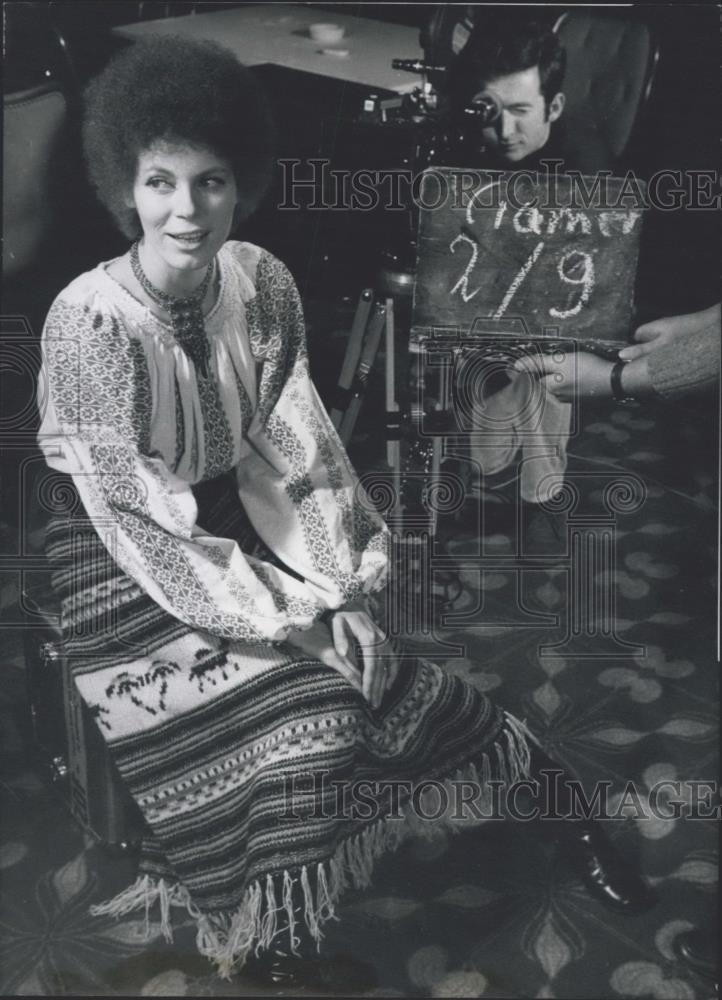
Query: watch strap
column 615, row 378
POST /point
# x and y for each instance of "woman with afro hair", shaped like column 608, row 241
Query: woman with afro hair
column 222, row 573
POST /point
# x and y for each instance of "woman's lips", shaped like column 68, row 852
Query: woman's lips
column 189, row 239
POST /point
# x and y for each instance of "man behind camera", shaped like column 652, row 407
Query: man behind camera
column 523, row 63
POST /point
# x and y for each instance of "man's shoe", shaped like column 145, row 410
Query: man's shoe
column 697, row 949
column 602, row 869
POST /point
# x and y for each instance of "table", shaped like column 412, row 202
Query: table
column 278, row 33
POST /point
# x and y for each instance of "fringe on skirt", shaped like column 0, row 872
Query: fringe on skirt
column 310, row 894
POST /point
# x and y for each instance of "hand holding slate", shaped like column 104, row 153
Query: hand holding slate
column 689, row 345
column 568, row 375
column 652, row 336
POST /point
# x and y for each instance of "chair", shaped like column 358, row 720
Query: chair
column 40, row 103
column 42, row 203
column 36, row 104
column 66, row 740
column 611, row 64
column 33, row 131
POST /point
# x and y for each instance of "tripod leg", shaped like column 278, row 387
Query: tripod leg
column 368, row 354
column 393, row 445
column 351, row 358
column 438, row 443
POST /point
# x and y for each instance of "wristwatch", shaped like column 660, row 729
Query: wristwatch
column 615, row 378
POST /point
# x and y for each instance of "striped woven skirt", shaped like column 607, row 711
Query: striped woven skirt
column 266, row 782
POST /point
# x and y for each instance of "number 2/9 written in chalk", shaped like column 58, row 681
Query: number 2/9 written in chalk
column 575, row 267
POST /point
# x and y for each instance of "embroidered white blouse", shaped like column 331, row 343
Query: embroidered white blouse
column 125, row 414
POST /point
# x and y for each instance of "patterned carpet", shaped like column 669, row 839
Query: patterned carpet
column 493, row 911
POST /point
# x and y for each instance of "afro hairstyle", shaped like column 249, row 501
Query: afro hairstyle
column 175, row 90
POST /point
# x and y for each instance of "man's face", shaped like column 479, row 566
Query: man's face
column 524, row 124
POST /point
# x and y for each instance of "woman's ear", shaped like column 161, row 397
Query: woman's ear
column 556, row 106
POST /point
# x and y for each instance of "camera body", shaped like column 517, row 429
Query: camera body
column 442, row 131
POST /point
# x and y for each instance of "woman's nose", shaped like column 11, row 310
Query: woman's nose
column 184, row 201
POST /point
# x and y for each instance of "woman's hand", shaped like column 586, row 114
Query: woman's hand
column 318, row 643
column 353, row 625
column 662, row 331
column 567, row 375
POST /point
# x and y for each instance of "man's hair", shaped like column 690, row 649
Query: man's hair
column 508, row 44
column 179, row 91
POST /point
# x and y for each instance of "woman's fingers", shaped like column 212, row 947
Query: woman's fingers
column 374, row 683
column 393, row 664
column 380, row 662
column 365, row 633
column 317, row 642
column 349, row 671
column 388, row 666
column 369, row 686
column 338, row 631
column 368, row 640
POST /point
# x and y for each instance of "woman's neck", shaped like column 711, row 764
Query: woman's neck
column 171, row 281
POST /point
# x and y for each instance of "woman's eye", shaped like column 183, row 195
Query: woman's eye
column 213, row 182
column 158, row 182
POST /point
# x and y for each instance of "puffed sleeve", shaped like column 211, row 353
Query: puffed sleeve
column 294, row 478
column 95, row 400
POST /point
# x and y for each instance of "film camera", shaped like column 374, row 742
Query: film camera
column 442, row 128
column 432, row 132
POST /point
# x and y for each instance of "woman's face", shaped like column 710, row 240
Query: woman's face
column 185, row 197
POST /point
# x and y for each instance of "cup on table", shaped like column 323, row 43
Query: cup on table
column 326, row 34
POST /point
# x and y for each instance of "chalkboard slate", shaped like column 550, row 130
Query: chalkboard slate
column 552, row 254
